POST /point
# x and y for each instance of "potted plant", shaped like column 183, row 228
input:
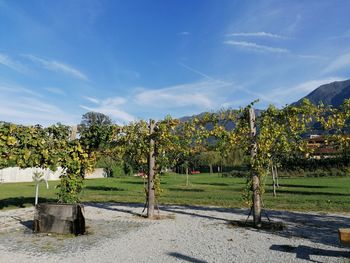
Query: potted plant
column 66, row 216
column 49, row 148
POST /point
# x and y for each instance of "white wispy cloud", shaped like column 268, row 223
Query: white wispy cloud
column 341, row 62
column 54, row 65
column 255, row 47
column 283, row 95
column 11, row 63
column 54, row 90
column 295, row 24
column 29, row 106
column 116, row 101
column 310, row 85
column 196, row 71
column 110, row 107
column 30, row 110
column 93, row 100
column 178, row 100
column 36, row 105
column 316, row 57
column 256, row 34
column 199, row 94
column 214, row 80
column 9, row 89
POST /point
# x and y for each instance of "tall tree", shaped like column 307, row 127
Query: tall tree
column 95, row 118
column 95, row 131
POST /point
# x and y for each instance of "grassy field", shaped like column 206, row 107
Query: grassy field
column 330, row 194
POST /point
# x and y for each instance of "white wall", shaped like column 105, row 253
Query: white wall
column 16, row 175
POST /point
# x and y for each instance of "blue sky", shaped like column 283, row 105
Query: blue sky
column 147, row 59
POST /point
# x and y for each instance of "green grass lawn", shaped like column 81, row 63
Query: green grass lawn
column 330, row 194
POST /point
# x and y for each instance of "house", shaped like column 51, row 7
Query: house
column 321, row 147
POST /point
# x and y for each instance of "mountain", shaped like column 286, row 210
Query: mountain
column 229, row 125
column 330, row 94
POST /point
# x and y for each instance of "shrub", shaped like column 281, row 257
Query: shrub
column 111, row 167
column 235, row 173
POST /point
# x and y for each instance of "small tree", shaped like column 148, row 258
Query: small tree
column 210, row 158
column 75, row 162
column 235, row 157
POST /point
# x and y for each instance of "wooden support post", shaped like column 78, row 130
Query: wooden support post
column 273, row 180
column 254, row 173
column 151, row 164
column 73, row 133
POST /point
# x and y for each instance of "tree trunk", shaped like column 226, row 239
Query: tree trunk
column 273, row 180
column 276, row 175
column 210, row 168
column 254, row 173
column 256, row 201
column 151, row 163
column 187, row 176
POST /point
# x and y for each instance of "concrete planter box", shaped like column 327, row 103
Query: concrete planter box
column 59, row 218
column 344, row 236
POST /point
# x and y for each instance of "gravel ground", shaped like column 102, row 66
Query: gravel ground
column 116, row 233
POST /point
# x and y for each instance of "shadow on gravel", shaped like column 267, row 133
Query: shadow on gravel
column 27, row 223
column 182, row 210
column 171, row 208
column 112, row 207
column 318, row 228
column 176, row 211
column 304, row 252
column 241, row 211
column 185, row 258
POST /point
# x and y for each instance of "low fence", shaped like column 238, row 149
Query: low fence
column 17, row 175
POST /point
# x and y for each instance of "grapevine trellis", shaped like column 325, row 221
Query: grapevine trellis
column 151, row 147
column 47, row 148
